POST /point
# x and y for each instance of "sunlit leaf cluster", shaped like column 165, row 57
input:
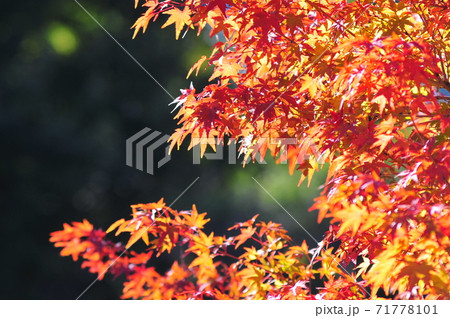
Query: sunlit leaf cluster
column 256, row 261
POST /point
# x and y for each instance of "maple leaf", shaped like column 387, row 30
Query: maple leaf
column 244, row 236
column 197, row 66
column 180, row 18
column 143, row 21
column 115, row 225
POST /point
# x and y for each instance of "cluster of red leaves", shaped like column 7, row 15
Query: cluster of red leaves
column 257, row 263
column 367, row 84
column 98, row 254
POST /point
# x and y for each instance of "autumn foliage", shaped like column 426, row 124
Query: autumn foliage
column 366, row 82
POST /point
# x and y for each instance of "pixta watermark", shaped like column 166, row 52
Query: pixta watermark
column 143, row 150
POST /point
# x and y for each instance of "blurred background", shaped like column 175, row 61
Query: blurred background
column 70, row 97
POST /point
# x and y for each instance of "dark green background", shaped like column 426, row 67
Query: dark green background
column 69, row 98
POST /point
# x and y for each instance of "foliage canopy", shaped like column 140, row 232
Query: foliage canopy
column 368, row 84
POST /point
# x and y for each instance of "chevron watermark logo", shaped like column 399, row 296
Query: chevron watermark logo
column 141, row 150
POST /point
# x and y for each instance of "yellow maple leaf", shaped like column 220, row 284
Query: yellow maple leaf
column 180, row 18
